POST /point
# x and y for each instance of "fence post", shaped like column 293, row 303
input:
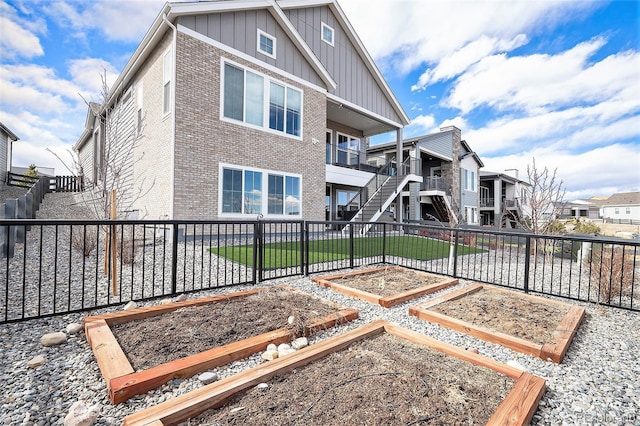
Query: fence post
column 10, row 237
column 302, row 254
column 260, row 260
column 174, row 258
column 306, row 248
column 21, row 210
column 456, row 240
column 351, row 246
column 384, row 242
column 527, row 262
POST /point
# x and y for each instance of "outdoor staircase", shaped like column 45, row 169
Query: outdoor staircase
column 443, row 208
column 383, row 190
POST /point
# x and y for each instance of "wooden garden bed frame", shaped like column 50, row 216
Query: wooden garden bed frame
column 123, row 382
column 385, row 301
column 563, row 334
column 517, row 408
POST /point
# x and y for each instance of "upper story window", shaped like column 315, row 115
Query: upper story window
column 257, row 100
column 139, row 100
column 327, row 34
column 166, row 82
column 266, row 44
column 469, row 180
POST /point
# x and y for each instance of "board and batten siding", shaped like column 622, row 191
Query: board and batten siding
column 239, row 30
column 5, row 141
column 440, row 143
column 355, row 83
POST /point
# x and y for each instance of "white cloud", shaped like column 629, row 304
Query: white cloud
column 16, row 41
column 545, row 81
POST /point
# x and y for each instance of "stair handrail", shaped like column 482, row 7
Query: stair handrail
column 371, row 186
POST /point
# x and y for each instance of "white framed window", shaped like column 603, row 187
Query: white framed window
column 259, row 101
column 471, row 215
column 628, row 210
column 250, row 191
column 266, row 44
column 167, row 71
column 327, row 34
column 470, row 180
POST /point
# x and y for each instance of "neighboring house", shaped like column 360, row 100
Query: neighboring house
column 449, row 169
column 503, row 199
column 7, row 138
column 585, row 209
column 42, row 171
column 222, row 110
column 622, row 206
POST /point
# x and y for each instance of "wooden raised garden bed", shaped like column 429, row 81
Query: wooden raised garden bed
column 362, row 394
column 387, row 285
column 528, row 324
column 216, row 317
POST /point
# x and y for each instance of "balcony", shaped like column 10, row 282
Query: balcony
column 346, row 157
column 490, row 202
column 435, row 183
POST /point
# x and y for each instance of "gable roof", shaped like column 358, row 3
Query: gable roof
column 623, row 199
column 9, row 133
column 469, row 152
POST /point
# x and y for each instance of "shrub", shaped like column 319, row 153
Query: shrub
column 612, row 270
column 84, row 240
column 586, row 227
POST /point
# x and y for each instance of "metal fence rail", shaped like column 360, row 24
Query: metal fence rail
column 70, row 266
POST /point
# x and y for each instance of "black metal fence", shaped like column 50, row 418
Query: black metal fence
column 70, row 266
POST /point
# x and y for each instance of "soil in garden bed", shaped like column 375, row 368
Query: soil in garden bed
column 512, row 315
column 156, row 340
column 377, row 381
column 390, row 281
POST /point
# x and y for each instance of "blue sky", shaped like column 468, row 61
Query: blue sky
column 558, row 81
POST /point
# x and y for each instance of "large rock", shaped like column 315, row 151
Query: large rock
column 36, row 361
column 208, row 377
column 74, row 328
column 52, row 339
column 81, row 415
column 270, row 355
column 300, row 343
column 130, row 305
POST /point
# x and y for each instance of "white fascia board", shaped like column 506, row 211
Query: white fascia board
column 346, row 176
column 363, row 111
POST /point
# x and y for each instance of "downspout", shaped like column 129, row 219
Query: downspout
column 173, row 115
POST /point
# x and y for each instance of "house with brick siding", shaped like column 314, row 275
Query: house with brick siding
column 449, row 172
column 238, row 109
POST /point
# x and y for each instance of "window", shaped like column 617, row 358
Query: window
column 266, row 44
column 628, row 210
column 471, row 215
column 327, row 34
column 166, row 81
column 242, row 192
column 469, row 180
column 256, row 100
column 617, row 210
column 348, row 151
column 139, row 97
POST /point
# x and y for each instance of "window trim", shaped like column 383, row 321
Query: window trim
column 267, row 80
column 264, row 205
column 333, row 34
column 259, row 45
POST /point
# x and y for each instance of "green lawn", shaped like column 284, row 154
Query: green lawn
column 285, row 254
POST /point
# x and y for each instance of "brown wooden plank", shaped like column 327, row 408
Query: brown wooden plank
column 191, row 404
column 111, row 360
column 124, row 387
column 353, row 292
column 520, row 403
column 453, row 350
column 515, row 343
column 399, row 298
column 564, row 334
column 456, row 294
column 353, row 273
column 150, row 311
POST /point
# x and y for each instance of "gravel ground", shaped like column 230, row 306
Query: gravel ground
column 597, row 383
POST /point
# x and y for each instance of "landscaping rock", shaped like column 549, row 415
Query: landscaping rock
column 130, row 305
column 291, row 319
column 208, row 377
column 52, row 339
column 283, row 347
column 272, row 347
column 181, row 298
column 81, row 415
column 74, row 328
column 270, row 355
column 166, row 301
column 36, row 361
column 262, row 386
column 300, row 343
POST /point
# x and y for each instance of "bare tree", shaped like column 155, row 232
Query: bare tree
column 545, row 197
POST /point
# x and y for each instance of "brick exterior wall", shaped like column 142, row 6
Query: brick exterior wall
column 203, row 141
column 152, row 153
